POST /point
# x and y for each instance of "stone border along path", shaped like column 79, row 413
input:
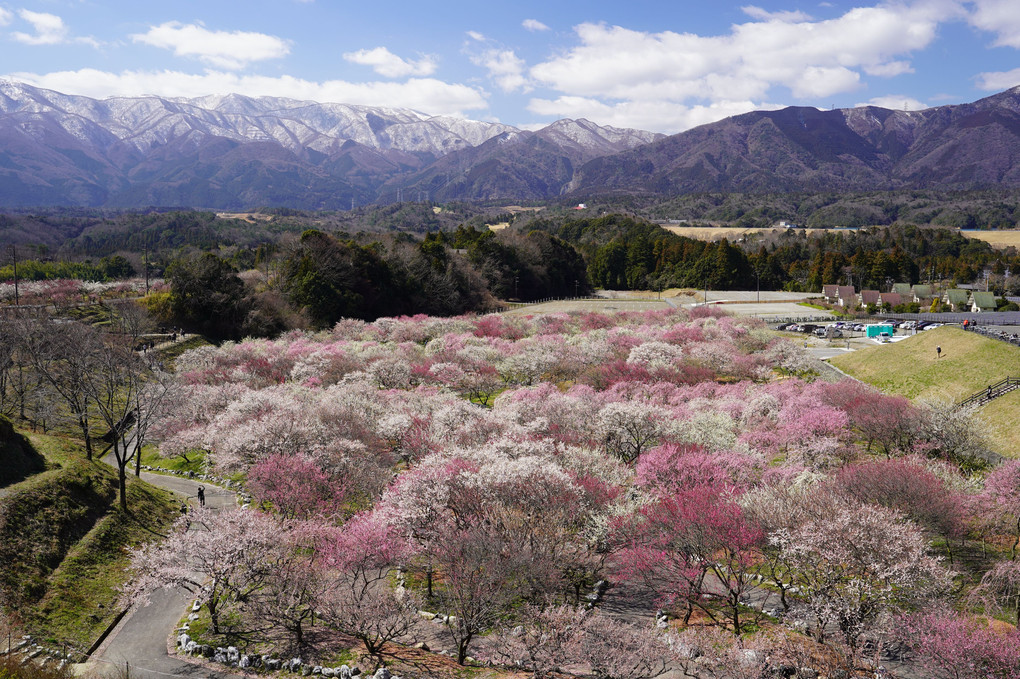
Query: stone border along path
column 139, row 641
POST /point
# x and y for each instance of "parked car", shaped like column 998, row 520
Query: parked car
column 884, row 337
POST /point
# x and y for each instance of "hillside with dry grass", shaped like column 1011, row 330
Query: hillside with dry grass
column 970, row 362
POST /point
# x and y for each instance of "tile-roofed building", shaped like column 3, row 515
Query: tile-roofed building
column 870, row 297
column 982, row 301
column 847, row 295
column 830, row 293
column 957, row 299
column 891, row 298
column 901, row 289
column 921, row 292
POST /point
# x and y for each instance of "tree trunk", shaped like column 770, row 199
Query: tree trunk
column 121, row 472
column 84, row 426
column 214, row 615
column 122, row 484
column 462, row 648
column 735, row 604
column 1012, row 550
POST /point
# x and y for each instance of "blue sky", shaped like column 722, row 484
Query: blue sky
column 651, row 65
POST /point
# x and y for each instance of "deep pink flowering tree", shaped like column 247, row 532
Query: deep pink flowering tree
column 296, row 486
column 906, row 485
column 359, row 600
column 890, row 422
column 694, row 549
column 1002, row 488
column 952, row 645
column 672, row 468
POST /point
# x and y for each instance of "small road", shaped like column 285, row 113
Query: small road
column 139, row 640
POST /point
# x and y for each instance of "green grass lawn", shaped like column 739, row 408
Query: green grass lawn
column 1002, row 415
column 81, row 599
column 195, row 461
column 911, row 367
column 64, row 540
column 969, row 364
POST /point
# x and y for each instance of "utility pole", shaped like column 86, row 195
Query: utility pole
column 145, row 260
column 14, row 255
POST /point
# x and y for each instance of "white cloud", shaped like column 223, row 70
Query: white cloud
column 49, row 29
column 504, row 67
column 764, row 15
column 663, row 116
column 534, row 25
column 889, row 69
column 996, row 81
column 703, row 75
column 1000, row 17
column 422, row 94
column 476, row 36
column 388, row 64
column 222, row 49
column 896, row 102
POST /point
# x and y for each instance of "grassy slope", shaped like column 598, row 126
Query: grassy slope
column 18, row 460
column 1002, row 415
column 62, row 542
column 969, row 363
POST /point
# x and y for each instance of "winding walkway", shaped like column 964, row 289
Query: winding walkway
column 139, row 641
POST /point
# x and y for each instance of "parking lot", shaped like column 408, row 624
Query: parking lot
column 852, row 336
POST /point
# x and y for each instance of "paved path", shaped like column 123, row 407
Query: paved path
column 139, row 640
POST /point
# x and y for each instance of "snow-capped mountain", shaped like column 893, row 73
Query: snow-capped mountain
column 236, row 151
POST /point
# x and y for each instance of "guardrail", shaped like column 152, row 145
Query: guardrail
column 996, row 390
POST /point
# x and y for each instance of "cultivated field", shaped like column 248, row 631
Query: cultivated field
column 997, row 239
column 601, row 305
column 774, row 304
column 250, row 217
column 713, row 233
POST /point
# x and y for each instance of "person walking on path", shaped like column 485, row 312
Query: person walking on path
column 201, row 496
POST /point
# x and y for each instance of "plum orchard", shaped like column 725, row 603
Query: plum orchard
column 507, row 465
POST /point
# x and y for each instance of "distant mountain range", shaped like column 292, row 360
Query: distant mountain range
column 234, row 152
column 967, row 146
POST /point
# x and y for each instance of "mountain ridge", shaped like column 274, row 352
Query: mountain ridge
column 963, row 146
column 235, row 152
